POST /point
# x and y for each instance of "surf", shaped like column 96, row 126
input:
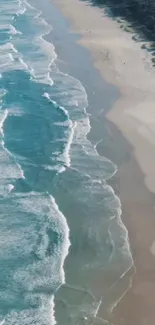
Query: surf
column 47, row 160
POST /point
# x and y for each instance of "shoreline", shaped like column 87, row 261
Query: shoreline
column 96, row 89
column 114, row 54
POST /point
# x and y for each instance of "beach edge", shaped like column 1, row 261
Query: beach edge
column 134, row 173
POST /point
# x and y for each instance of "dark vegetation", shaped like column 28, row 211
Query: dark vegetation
column 140, row 15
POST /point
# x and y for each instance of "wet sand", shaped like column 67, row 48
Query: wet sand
column 122, row 62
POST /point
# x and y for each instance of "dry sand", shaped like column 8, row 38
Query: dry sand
column 122, row 62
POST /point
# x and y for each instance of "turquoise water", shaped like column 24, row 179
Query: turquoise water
column 54, row 199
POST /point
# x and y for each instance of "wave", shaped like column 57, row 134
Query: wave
column 8, row 28
column 2, row 119
column 47, row 101
column 85, row 159
column 52, row 220
column 13, row 30
column 65, row 156
column 28, row 51
column 40, row 277
column 11, row 59
column 10, row 8
column 9, row 169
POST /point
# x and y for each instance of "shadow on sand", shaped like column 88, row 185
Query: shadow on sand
column 136, row 16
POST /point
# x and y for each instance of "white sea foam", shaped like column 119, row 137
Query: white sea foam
column 9, row 169
column 82, row 149
column 6, row 189
column 78, row 152
column 29, row 316
column 21, row 171
column 3, row 116
column 10, row 8
column 39, row 316
column 65, row 156
column 31, row 10
column 23, row 63
column 8, row 52
column 65, row 229
column 5, row 60
column 12, row 170
column 100, row 167
column 10, row 59
column 7, row 48
column 77, row 140
column 13, row 30
column 46, row 95
column 44, row 207
column 80, row 139
column 39, row 69
column 28, row 210
column 10, row 187
column 57, row 168
column 21, row 12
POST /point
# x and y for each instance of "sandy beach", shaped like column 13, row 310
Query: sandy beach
column 123, row 63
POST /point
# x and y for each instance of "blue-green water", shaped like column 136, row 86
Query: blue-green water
column 53, row 190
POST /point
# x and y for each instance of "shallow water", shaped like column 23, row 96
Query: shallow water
column 53, row 188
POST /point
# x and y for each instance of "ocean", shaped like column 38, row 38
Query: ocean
column 61, row 233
